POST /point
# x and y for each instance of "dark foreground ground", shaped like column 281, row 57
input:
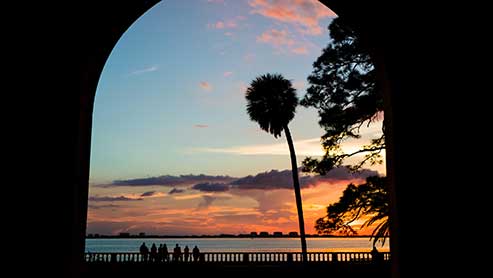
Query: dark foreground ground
column 346, row 270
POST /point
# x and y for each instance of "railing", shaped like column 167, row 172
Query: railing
column 238, row 257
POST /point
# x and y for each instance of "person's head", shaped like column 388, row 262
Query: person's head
column 177, row 245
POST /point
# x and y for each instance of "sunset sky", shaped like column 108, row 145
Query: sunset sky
column 173, row 150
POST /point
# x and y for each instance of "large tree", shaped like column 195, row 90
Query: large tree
column 343, row 89
column 271, row 102
column 367, row 202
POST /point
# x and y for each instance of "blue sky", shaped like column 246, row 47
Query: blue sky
column 170, row 101
column 149, row 101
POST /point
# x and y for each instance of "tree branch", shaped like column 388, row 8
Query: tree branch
column 362, row 151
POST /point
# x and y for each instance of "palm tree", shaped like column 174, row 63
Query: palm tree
column 271, row 102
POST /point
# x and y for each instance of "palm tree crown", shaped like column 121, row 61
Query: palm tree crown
column 272, row 102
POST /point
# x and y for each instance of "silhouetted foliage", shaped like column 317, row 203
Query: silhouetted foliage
column 271, row 102
column 368, row 201
column 343, row 89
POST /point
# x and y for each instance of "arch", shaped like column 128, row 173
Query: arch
column 99, row 26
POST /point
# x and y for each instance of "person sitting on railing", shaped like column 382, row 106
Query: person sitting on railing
column 144, row 251
column 195, row 253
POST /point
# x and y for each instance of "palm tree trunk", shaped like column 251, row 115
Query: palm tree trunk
column 297, row 193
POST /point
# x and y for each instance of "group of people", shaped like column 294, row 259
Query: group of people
column 161, row 254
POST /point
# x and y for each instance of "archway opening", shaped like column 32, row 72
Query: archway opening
column 197, row 124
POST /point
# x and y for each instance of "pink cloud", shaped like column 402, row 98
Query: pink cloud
column 205, row 85
column 219, row 25
column 283, row 42
column 231, row 24
column 276, row 37
column 299, row 84
column 227, row 73
column 304, row 13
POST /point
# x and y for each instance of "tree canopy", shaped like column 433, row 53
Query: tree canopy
column 368, row 201
column 271, row 102
column 344, row 90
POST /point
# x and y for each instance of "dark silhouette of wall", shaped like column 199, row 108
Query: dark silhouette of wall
column 64, row 50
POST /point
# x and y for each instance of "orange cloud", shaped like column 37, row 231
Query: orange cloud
column 305, row 14
column 300, row 50
column 205, row 85
column 195, row 212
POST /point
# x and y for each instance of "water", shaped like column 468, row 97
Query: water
column 237, row 244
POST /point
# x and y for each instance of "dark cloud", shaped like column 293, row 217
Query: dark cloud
column 283, row 179
column 273, row 179
column 342, row 173
column 211, row 187
column 111, row 199
column 172, row 181
column 148, row 194
column 103, row 206
column 176, row 191
column 268, row 180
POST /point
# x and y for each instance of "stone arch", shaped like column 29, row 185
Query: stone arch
column 102, row 25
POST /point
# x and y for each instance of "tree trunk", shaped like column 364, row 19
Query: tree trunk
column 297, row 193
